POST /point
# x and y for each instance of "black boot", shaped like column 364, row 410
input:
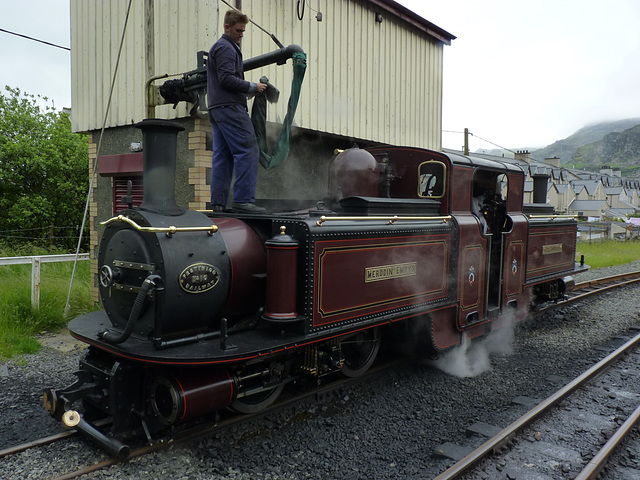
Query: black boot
column 247, row 207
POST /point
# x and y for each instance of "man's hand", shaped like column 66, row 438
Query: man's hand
column 261, row 87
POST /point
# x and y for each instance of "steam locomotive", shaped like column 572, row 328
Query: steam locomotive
column 204, row 312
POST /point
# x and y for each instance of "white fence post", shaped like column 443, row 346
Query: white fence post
column 35, row 282
column 36, row 262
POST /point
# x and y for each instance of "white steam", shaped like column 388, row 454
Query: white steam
column 471, row 358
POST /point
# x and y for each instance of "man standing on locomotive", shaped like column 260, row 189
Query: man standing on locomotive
column 234, row 139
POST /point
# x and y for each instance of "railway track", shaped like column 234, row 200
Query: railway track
column 584, row 289
column 100, row 462
column 545, row 441
column 588, row 288
column 200, row 431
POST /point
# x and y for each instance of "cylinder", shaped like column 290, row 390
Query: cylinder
column 282, row 278
column 180, row 397
column 159, row 143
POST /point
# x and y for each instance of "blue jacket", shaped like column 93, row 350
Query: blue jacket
column 225, row 75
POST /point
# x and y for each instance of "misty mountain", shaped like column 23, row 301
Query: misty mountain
column 616, row 144
column 618, row 149
column 566, row 149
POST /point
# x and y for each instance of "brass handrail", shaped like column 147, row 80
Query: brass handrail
column 552, row 217
column 391, row 219
column 168, row 230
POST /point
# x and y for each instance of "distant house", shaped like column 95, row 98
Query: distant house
column 632, row 191
column 589, row 208
column 560, row 195
column 615, row 213
column 570, row 191
column 616, row 195
column 589, row 231
column 591, row 189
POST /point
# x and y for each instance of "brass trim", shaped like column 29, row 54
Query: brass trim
column 552, row 217
column 168, row 230
column 444, row 179
column 391, row 220
column 71, row 418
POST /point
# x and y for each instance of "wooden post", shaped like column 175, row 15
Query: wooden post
column 35, row 282
column 466, row 142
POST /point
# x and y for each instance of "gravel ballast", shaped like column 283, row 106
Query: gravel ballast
column 388, row 427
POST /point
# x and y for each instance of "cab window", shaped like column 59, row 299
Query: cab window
column 431, row 179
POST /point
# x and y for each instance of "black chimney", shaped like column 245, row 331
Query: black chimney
column 159, row 143
column 540, row 182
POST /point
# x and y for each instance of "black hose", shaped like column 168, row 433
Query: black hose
column 146, row 287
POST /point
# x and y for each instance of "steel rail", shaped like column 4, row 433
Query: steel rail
column 40, row 442
column 603, row 285
column 201, row 431
column 470, row 461
column 596, row 285
column 597, row 463
column 37, row 443
column 613, row 278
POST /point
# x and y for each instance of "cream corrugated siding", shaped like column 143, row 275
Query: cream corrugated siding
column 183, row 28
column 96, row 29
column 369, row 80
column 376, row 81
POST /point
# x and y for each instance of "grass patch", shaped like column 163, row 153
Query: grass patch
column 608, row 253
column 19, row 321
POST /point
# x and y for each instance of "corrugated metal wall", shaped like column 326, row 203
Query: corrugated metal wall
column 365, row 79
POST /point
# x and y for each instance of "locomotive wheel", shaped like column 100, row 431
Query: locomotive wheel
column 257, row 402
column 360, row 351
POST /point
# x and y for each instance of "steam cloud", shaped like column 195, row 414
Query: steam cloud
column 471, row 359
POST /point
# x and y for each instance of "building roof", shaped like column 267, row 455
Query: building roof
column 620, row 212
column 415, row 20
column 586, row 205
column 613, row 190
column 590, row 185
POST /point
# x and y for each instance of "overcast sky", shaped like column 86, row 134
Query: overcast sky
column 524, row 74
column 520, row 74
column 31, row 66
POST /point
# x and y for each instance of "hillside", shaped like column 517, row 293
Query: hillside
column 607, row 143
column 618, row 149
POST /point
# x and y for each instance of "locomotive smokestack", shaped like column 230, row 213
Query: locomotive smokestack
column 540, row 182
column 159, row 140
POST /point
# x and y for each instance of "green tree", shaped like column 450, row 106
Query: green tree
column 43, row 171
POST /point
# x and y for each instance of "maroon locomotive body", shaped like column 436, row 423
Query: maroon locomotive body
column 204, row 312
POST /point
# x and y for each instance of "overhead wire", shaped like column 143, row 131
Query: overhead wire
column 95, row 161
column 34, row 39
column 273, row 37
column 490, row 142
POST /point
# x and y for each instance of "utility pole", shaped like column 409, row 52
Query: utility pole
column 466, row 142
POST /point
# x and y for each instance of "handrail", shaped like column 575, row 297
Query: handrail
column 390, row 219
column 168, row 230
column 552, row 217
